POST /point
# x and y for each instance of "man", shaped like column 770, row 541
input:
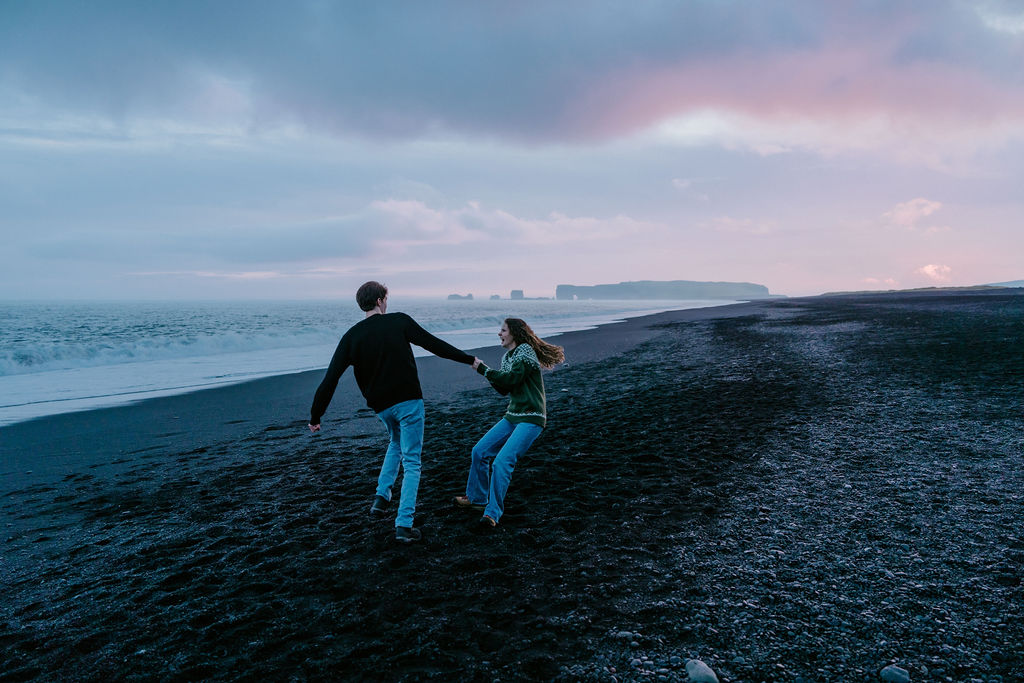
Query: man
column 377, row 347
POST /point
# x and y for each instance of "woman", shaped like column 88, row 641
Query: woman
column 495, row 455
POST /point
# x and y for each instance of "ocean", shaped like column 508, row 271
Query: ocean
column 58, row 357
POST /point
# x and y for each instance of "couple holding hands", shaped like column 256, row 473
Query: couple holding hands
column 378, row 349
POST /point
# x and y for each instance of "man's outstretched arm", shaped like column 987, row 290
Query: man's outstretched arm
column 420, row 337
column 325, row 392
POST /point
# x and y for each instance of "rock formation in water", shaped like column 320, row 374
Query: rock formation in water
column 674, row 289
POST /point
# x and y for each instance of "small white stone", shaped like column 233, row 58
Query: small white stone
column 699, row 672
column 894, row 674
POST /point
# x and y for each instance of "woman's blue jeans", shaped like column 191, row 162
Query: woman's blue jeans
column 404, row 422
column 494, row 458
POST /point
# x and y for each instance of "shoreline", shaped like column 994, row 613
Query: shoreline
column 60, row 390
column 101, row 438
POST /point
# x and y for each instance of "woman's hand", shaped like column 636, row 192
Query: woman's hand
column 476, row 363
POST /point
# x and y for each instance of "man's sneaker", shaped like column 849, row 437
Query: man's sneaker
column 406, row 534
column 379, row 507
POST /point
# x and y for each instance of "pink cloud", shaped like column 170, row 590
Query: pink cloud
column 935, row 272
column 858, row 95
column 908, row 214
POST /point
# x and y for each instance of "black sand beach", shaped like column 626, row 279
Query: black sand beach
column 808, row 489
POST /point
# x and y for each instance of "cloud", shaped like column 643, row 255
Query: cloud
column 935, row 272
column 419, row 224
column 244, row 244
column 909, row 214
column 225, row 275
column 842, row 76
column 385, row 229
column 321, row 140
column 744, row 226
column 1001, row 16
column 411, row 223
column 688, row 188
column 891, row 283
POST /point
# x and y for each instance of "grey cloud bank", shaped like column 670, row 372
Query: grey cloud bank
column 524, row 71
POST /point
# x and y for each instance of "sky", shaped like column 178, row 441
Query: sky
column 293, row 150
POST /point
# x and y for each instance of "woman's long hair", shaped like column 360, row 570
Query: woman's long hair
column 549, row 355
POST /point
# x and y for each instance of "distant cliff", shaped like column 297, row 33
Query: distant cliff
column 674, row 289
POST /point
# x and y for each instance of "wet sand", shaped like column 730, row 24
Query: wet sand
column 812, row 487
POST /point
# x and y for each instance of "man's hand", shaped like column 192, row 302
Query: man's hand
column 476, row 363
column 314, row 428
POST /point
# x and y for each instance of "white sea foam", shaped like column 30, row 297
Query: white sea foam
column 64, row 357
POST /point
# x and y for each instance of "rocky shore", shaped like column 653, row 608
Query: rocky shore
column 822, row 489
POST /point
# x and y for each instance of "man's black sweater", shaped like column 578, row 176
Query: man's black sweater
column 378, row 348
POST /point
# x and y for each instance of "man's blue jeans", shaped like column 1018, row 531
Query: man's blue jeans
column 404, row 422
column 494, row 458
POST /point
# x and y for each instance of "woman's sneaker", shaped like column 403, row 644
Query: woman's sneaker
column 406, row 534
column 463, row 502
